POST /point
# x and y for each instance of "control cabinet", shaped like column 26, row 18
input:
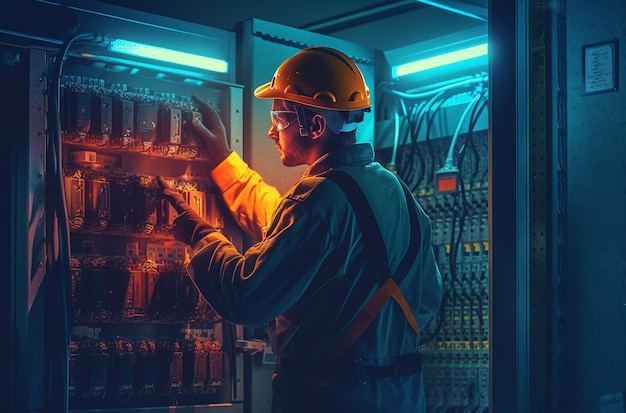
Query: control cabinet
column 141, row 333
column 111, row 101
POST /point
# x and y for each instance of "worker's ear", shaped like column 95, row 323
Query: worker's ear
column 317, row 125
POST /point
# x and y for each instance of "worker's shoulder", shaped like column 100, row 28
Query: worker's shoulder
column 312, row 187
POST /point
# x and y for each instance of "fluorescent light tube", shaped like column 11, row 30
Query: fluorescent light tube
column 440, row 60
column 457, row 10
column 168, row 55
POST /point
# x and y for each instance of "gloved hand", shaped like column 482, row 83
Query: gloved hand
column 188, row 227
column 211, row 132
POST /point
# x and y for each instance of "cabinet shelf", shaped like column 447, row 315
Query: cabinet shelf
column 159, row 150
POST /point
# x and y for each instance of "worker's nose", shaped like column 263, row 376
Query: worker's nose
column 272, row 133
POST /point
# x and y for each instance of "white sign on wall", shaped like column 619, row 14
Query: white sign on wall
column 600, row 67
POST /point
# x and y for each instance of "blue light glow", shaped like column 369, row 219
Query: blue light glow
column 167, row 55
column 440, row 60
column 451, row 9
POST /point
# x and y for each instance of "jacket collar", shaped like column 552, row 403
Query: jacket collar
column 360, row 153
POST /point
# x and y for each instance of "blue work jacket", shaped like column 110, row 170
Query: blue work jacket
column 309, row 274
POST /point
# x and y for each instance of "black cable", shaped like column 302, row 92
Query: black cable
column 427, row 110
column 417, row 115
column 482, row 107
column 57, row 286
column 428, row 334
column 431, row 151
column 455, row 241
column 478, row 109
column 465, row 206
column 469, row 140
column 396, row 144
column 404, row 170
column 445, row 302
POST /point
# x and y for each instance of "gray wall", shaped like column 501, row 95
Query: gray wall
column 595, row 307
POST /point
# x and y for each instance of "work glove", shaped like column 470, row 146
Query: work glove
column 211, row 132
column 188, row 227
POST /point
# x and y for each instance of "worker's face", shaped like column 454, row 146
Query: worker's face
column 292, row 148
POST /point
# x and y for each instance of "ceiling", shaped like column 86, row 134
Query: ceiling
column 383, row 25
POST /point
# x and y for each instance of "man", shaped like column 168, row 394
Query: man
column 345, row 332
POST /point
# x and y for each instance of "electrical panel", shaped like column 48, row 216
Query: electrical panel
column 456, row 342
column 140, row 334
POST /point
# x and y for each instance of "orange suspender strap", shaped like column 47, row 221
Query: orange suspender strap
column 406, row 309
column 369, row 313
column 360, row 323
column 363, row 319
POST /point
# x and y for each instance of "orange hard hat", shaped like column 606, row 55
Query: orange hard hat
column 320, row 77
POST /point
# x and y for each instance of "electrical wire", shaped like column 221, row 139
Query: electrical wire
column 432, row 91
column 406, row 166
column 465, row 206
column 445, row 83
column 417, row 158
column 58, row 304
column 408, row 163
column 469, row 141
column 396, row 133
column 425, row 115
column 384, row 87
column 459, row 215
column 455, row 137
column 472, row 82
column 428, row 141
column 478, row 109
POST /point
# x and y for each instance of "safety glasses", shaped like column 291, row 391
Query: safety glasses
column 282, row 119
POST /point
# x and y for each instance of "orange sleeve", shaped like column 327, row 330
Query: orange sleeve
column 249, row 198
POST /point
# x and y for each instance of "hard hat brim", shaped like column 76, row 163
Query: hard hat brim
column 266, row 91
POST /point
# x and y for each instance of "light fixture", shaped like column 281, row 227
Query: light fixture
column 467, row 10
column 440, row 60
column 167, row 55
